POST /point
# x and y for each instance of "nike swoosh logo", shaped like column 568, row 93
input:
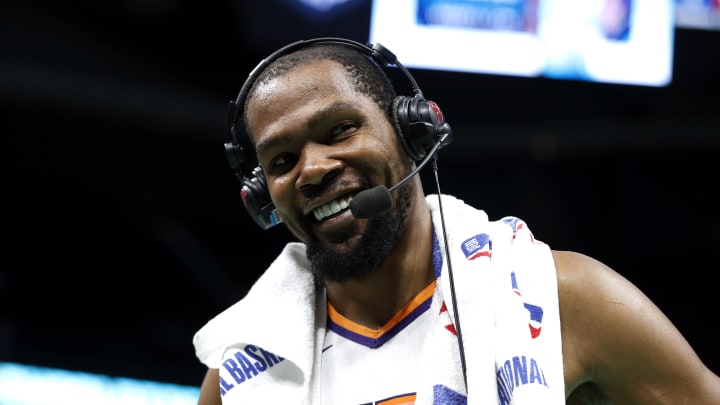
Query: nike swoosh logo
column 323, row 350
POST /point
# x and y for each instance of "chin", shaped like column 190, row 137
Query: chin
column 357, row 250
column 356, row 255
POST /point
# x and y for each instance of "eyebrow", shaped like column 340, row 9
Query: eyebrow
column 315, row 120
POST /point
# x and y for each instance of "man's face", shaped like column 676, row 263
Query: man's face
column 320, row 142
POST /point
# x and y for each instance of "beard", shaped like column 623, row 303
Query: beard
column 371, row 250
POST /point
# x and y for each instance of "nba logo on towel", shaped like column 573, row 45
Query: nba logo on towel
column 518, row 225
column 477, row 246
column 536, row 311
column 515, row 223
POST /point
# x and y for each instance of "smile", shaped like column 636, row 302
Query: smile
column 331, row 208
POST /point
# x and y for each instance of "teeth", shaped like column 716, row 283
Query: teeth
column 331, row 208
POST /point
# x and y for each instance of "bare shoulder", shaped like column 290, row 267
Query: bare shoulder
column 210, row 388
column 618, row 341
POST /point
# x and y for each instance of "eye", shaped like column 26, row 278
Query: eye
column 282, row 163
column 343, row 130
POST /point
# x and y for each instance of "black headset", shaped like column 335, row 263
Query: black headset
column 419, row 121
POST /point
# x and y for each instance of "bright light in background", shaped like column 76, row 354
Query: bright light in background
column 316, row 8
column 31, row 385
column 322, row 5
column 697, row 14
column 610, row 41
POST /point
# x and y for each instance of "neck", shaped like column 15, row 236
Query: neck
column 375, row 298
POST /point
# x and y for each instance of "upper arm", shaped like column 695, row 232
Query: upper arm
column 210, row 388
column 617, row 339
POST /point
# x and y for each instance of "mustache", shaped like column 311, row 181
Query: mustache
column 326, row 187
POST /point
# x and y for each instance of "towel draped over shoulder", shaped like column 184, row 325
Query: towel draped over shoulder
column 268, row 345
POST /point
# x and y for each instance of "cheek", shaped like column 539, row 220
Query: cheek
column 280, row 193
column 392, row 144
column 384, row 144
column 282, row 196
column 394, row 154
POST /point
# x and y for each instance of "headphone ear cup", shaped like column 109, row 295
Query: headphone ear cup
column 399, row 127
column 257, row 201
column 235, row 157
column 418, row 122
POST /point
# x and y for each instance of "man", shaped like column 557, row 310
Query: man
column 391, row 306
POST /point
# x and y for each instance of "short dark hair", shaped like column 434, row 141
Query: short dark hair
column 367, row 77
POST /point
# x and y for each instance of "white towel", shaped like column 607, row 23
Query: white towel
column 283, row 316
column 268, row 345
column 506, row 292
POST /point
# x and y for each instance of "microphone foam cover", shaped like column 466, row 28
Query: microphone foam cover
column 370, row 203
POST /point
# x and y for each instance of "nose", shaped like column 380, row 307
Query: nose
column 316, row 162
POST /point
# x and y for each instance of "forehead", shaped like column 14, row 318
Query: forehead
column 298, row 92
column 312, row 76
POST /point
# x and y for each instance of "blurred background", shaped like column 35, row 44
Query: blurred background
column 123, row 230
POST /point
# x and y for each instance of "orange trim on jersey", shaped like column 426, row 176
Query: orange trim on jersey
column 345, row 323
column 408, row 399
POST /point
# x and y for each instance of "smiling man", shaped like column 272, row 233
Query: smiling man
column 426, row 300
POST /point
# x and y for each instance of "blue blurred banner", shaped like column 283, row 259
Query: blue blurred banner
column 22, row 384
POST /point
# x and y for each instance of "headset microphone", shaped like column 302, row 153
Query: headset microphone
column 375, row 201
